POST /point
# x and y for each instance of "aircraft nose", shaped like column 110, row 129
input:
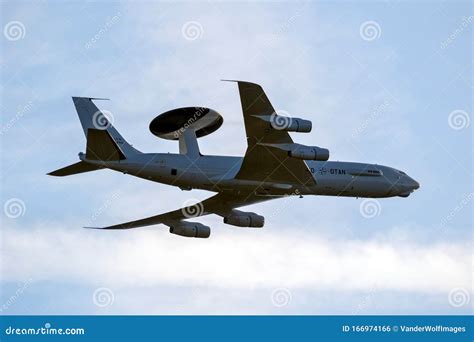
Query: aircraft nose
column 414, row 184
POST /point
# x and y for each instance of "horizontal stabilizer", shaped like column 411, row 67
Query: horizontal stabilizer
column 75, row 168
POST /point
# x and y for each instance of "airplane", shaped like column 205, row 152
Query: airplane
column 273, row 166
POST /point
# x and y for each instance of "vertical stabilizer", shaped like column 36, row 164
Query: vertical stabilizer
column 93, row 118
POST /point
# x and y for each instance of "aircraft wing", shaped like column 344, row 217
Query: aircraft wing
column 220, row 204
column 261, row 162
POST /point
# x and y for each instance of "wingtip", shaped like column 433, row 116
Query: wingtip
column 104, row 228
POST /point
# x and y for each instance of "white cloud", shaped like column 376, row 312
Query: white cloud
column 232, row 259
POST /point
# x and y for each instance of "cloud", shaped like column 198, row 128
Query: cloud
column 232, row 259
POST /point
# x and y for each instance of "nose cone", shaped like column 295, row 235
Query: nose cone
column 414, row 184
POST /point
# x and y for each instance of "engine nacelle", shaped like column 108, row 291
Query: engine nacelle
column 284, row 123
column 243, row 219
column 309, row 153
column 190, row 229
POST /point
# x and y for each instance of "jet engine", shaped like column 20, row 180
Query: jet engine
column 284, row 123
column 243, row 219
column 309, row 153
column 190, row 229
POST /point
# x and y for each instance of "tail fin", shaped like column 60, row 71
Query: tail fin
column 75, row 168
column 104, row 143
column 93, row 118
column 101, row 146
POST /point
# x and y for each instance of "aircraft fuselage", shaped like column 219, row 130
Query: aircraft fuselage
column 217, row 173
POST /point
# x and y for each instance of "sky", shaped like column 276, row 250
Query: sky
column 386, row 82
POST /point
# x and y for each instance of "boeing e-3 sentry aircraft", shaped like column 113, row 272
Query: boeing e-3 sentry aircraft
column 273, row 166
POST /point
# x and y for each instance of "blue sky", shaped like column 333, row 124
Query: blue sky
column 383, row 82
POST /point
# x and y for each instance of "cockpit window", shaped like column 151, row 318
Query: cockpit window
column 401, row 172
